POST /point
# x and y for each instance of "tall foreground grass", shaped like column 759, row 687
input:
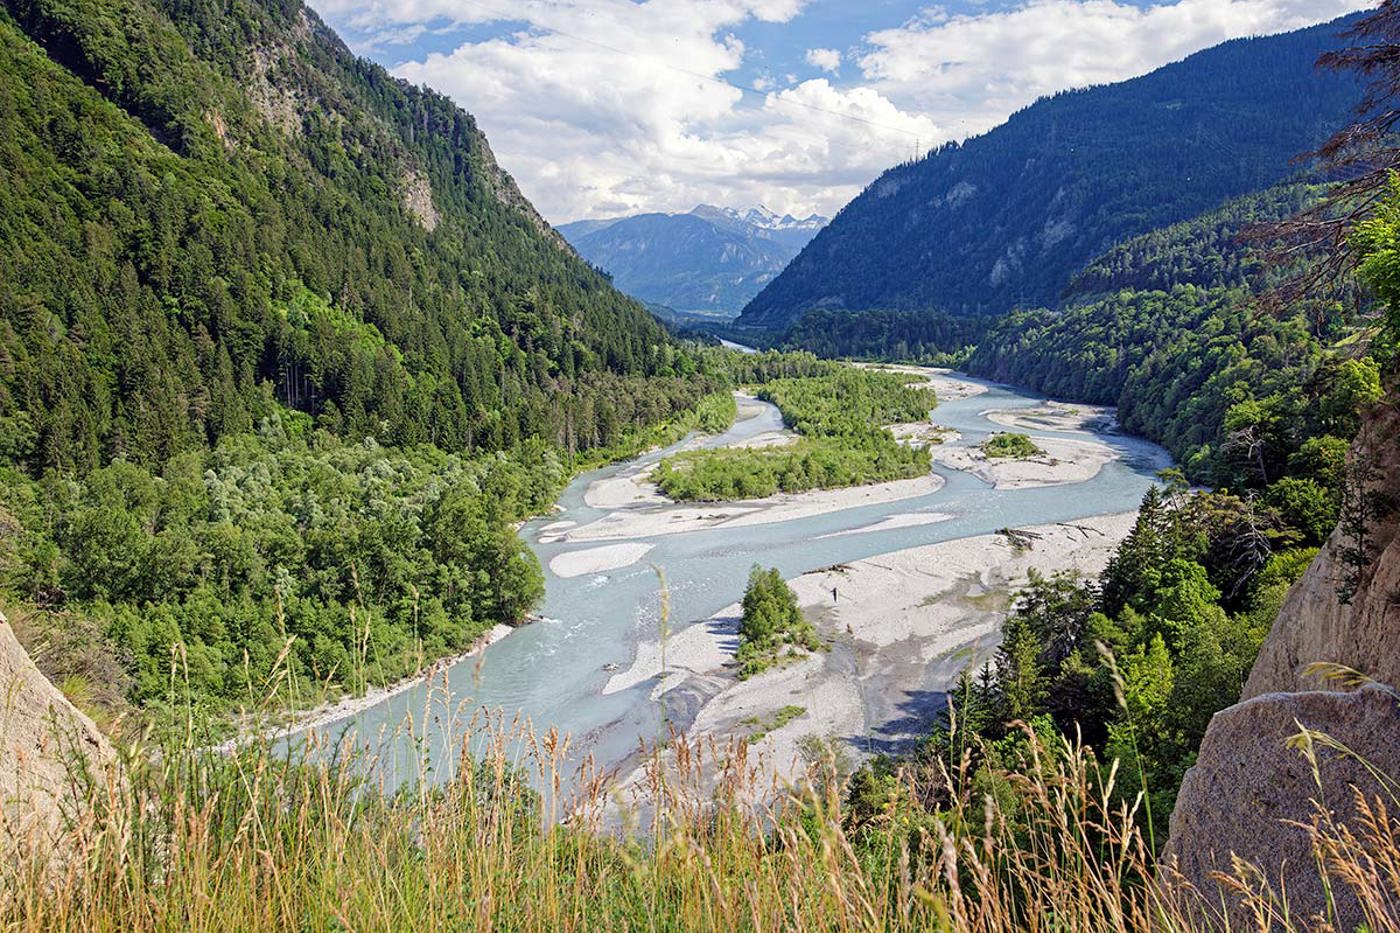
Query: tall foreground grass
column 197, row 840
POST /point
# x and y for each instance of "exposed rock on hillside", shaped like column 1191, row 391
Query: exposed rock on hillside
column 50, row 752
column 418, row 200
column 1250, row 791
column 1314, row 625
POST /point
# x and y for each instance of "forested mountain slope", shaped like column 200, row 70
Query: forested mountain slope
column 284, row 356
column 207, row 210
column 1170, row 328
column 1234, row 392
column 1220, row 248
column 1006, row 219
column 1224, row 248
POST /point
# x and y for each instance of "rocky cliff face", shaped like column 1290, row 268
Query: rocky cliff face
column 50, row 755
column 1314, row 624
column 1252, row 792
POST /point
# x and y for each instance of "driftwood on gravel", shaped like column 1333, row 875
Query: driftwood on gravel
column 1019, row 539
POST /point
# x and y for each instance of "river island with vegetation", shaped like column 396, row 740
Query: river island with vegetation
column 841, row 441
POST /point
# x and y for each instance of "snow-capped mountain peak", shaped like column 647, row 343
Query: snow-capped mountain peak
column 712, row 259
column 759, row 217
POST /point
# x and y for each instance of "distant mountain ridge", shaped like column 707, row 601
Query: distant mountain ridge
column 1007, row 219
column 764, row 223
column 711, row 260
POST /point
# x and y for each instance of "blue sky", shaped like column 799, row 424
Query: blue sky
column 605, row 107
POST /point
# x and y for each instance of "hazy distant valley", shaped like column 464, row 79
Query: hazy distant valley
column 708, row 263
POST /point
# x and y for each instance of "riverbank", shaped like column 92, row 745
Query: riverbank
column 332, row 713
column 638, row 509
column 952, row 386
column 633, row 488
column 673, row 519
column 555, row 673
column 900, row 627
column 1058, row 416
column 750, row 406
column 598, row 559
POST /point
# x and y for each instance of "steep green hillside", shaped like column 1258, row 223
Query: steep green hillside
column 284, row 355
column 1240, row 396
column 1006, row 219
column 207, row 211
column 1169, row 327
column 1216, row 249
column 1220, row 249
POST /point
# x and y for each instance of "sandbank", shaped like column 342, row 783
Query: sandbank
column 1063, row 463
column 900, row 628
column 649, row 523
column 1057, row 416
column 597, row 560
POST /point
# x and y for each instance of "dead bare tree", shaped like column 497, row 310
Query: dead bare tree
column 1360, row 159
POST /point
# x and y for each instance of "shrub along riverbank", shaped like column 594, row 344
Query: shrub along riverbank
column 356, row 562
column 839, row 417
column 1010, row 447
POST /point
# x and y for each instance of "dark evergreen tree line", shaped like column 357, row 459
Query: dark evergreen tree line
column 1243, row 398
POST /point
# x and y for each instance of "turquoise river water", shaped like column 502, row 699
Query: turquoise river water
column 553, row 671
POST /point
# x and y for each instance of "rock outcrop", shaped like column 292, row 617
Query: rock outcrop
column 1252, row 793
column 51, row 754
column 1314, row 624
column 418, row 200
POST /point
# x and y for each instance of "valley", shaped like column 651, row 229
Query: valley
column 698, row 267
column 377, row 554
column 924, row 577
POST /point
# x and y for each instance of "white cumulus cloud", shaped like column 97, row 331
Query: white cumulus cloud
column 604, row 107
column 969, row 72
column 825, row 59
